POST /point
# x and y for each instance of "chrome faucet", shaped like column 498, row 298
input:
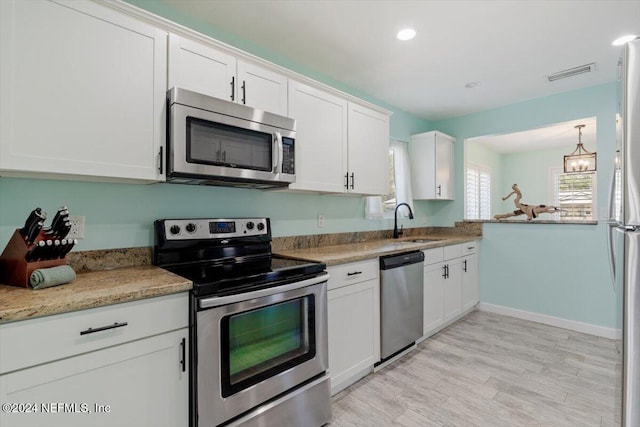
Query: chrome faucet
column 397, row 233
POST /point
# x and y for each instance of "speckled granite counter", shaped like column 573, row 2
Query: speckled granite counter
column 89, row 290
column 119, row 275
column 351, row 252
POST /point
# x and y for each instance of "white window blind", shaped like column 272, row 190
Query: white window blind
column 574, row 194
column 478, row 192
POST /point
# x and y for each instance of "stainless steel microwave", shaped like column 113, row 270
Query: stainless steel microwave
column 217, row 142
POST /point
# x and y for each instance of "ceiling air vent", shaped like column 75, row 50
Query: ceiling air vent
column 572, row 72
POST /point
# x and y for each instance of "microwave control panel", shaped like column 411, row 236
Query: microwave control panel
column 288, row 155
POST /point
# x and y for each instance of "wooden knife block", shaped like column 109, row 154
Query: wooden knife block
column 14, row 269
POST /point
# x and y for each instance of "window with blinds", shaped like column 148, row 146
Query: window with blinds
column 574, row 194
column 477, row 192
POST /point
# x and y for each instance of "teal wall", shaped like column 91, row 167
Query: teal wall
column 121, row 215
column 557, row 270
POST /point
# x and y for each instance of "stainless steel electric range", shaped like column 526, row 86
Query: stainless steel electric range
column 258, row 324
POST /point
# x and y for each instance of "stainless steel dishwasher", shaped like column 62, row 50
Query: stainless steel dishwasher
column 401, row 301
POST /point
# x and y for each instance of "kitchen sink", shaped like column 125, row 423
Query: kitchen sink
column 424, row 240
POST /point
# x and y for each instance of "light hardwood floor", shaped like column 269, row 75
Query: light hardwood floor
column 492, row 370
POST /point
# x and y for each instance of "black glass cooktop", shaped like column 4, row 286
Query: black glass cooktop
column 234, row 276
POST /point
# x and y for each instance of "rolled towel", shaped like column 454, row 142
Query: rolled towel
column 46, row 277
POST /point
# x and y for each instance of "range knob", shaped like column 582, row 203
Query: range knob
column 191, row 227
column 260, row 226
column 250, row 225
column 175, row 229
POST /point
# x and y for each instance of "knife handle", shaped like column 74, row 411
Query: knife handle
column 60, row 216
column 34, row 231
column 35, row 253
column 33, row 217
column 70, row 244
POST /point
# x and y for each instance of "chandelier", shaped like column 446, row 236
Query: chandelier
column 580, row 160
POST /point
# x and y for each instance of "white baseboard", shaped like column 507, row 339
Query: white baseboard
column 587, row 328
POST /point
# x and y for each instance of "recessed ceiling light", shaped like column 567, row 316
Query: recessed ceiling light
column 471, row 85
column 623, row 40
column 406, row 34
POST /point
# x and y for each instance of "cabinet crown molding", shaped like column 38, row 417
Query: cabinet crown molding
column 181, row 30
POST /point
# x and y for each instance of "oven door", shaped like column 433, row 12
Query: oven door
column 212, row 146
column 255, row 346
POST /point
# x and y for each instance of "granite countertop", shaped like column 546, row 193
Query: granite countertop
column 89, row 290
column 352, row 252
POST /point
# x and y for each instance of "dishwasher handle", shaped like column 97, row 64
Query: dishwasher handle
column 400, row 260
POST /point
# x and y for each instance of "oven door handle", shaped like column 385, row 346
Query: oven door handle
column 231, row 299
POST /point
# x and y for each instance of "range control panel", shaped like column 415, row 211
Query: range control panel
column 217, row 228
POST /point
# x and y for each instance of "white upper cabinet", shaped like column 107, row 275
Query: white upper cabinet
column 261, row 88
column 432, row 166
column 368, row 159
column 83, row 91
column 200, row 68
column 204, row 69
column 341, row 146
column 321, row 138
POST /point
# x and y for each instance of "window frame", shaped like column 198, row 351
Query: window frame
column 554, row 192
column 479, row 169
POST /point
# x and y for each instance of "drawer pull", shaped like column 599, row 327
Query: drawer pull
column 354, row 273
column 103, row 328
column 471, row 247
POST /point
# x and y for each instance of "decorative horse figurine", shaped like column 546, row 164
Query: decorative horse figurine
column 522, row 209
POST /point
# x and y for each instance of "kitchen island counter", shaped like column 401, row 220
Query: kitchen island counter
column 352, row 252
column 89, row 290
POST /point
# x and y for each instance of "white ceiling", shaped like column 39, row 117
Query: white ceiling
column 554, row 136
column 510, row 46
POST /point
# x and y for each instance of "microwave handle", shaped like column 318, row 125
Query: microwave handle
column 277, row 158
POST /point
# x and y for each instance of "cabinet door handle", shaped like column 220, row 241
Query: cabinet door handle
column 346, row 180
column 103, row 328
column 353, row 180
column 233, row 88
column 465, row 265
column 244, row 92
column 439, row 190
column 160, row 169
column 355, row 273
column 183, row 358
column 444, row 271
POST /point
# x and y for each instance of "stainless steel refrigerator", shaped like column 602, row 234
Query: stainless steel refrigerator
column 624, row 231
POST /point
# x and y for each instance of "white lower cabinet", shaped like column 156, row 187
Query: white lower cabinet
column 470, row 281
column 121, row 382
column 452, row 289
column 433, row 297
column 354, row 322
column 451, row 284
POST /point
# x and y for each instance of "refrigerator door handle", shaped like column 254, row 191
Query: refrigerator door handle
column 611, row 229
column 612, row 223
column 612, row 196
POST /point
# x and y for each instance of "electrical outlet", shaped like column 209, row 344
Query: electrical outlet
column 77, row 227
column 320, row 220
